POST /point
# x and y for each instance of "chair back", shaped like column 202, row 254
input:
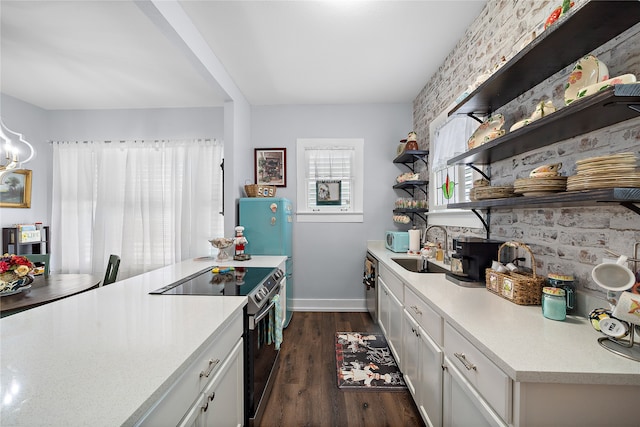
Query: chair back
column 40, row 259
column 112, row 270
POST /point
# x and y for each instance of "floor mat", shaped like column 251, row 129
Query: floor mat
column 364, row 361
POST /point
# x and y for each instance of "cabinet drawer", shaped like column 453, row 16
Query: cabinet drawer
column 172, row 406
column 393, row 283
column 424, row 315
column 493, row 384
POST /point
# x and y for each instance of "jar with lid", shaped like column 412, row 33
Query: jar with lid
column 554, row 305
column 566, row 282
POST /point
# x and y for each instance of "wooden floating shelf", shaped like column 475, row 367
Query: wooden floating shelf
column 583, row 30
column 585, row 115
column 625, row 196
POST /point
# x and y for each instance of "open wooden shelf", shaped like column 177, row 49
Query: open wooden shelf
column 603, row 109
column 624, row 196
column 584, row 29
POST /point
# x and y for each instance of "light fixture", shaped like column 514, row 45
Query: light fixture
column 11, row 149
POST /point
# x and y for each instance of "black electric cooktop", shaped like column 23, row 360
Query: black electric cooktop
column 239, row 281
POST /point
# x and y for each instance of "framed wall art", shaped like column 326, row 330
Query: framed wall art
column 15, row 189
column 270, row 166
column 328, row 192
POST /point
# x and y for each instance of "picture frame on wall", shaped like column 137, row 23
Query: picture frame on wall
column 328, row 192
column 15, row 189
column 270, row 166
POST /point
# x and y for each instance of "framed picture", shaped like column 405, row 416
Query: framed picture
column 328, row 192
column 15, row 189
column 270, row 166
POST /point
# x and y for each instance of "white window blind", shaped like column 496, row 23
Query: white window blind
column 330, row 180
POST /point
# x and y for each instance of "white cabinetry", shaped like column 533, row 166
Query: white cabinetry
column 220, row 403
column 423, row 370
column 483, row 375
column 218, row 368
column 390, row 295
column 462, row 404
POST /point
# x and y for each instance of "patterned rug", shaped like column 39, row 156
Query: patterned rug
column 364, row 362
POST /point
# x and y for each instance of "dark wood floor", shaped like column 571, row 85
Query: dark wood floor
column 305, row 391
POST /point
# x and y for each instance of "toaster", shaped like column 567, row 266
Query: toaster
column 397, row 241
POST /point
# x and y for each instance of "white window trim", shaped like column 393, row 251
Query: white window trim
column 303, row 214
column 441, row 215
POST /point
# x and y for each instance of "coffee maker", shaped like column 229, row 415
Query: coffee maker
column 472, row 256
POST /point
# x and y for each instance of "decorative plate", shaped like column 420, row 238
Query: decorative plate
column 586, row 72
column 597, row 87
column 487, row 131
column 16, row 291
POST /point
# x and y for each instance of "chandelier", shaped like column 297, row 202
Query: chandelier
column 13, row 148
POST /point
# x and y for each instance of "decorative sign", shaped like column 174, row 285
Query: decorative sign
column 328, row 192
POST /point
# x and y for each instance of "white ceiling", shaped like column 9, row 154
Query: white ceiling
column 109, row 54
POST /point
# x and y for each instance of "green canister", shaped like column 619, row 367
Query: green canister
column 554, row 305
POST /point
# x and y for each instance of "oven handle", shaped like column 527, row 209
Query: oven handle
column 262, row 315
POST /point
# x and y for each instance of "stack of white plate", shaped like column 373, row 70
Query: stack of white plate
column 613, row 171
column 540, row 186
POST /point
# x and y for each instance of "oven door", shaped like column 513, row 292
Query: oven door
column 262, row 360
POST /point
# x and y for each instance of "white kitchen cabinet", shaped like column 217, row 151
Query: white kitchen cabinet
column 491, row 382
column 463, row 406
column 218, row 366
column 390, row 297
column 221, row 402
column 423, row 370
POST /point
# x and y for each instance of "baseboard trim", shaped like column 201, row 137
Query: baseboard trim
column 346, row 305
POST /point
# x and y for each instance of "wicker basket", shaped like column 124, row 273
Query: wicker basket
column 519, row 288
column 259, row 190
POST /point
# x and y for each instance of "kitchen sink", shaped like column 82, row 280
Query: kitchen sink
column 415, row 265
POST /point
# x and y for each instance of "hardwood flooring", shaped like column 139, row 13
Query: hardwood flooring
column 305, row 391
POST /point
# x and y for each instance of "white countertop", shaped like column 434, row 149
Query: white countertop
column 525, row 345
column 103, row 357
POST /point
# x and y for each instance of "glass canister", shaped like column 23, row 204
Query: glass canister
column 554, row 305
column 566, row 282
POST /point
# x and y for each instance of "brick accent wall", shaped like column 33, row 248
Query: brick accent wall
column 570, row 240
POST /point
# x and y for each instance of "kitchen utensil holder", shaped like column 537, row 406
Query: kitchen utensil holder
column 518, row 287
column 625, row 348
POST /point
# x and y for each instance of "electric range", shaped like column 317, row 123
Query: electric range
column 260, row 285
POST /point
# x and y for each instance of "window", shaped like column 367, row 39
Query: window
column 450, row 183
column 330, row 180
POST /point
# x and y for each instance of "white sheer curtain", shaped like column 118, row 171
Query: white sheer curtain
column 153, row 203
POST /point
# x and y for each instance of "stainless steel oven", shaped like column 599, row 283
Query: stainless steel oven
column 370, row 281
column 260, row 285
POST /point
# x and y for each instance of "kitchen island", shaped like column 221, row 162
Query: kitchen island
column 106, row 356
column 541, row 371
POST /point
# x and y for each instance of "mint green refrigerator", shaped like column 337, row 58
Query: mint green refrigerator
column 268, row 224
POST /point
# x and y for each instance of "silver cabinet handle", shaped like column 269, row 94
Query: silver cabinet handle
column 416, row 309
column 212, row 365
column 206, row 403
column 462, row 358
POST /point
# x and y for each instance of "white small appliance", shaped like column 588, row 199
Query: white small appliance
column 397, row 241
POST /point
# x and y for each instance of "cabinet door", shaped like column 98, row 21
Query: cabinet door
column 429, row 388
column 395, row 328
column 462, row 405
column 383, row 301
column 225, row 393
column 221, row 403
column 411, row 351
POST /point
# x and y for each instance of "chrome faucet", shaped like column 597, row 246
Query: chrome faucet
column 447, row 259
